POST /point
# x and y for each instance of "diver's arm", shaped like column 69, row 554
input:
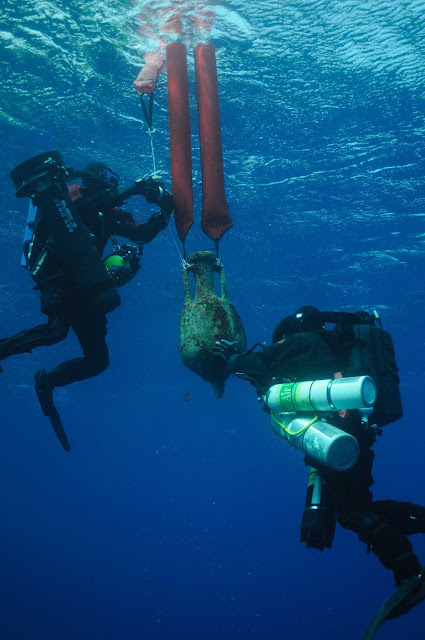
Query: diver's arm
column 255, row 363
column 124, row 225
column 109, row 196
column 295, row 352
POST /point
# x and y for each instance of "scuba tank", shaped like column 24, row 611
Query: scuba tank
column 123, row 264
column 294, row 408
column 318, row 521
column 369, row 351
column 325, row 443
column 322, row 395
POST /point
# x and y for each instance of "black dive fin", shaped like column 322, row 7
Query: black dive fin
column 56, row 423
column 401, row 601
column 414, row 597
column 45, row 398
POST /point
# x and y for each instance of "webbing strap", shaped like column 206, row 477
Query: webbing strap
column 147, row 112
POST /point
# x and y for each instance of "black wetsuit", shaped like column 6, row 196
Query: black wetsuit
column 383, row 525
column 65, row 310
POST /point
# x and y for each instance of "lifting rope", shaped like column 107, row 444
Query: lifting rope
column 148, row 115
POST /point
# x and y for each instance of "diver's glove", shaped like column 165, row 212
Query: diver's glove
column 166, row 202
column 150, row 187
column 225, row 349
column 159, row 220
column 155, row 192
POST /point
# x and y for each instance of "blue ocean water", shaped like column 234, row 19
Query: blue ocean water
column 174, row 519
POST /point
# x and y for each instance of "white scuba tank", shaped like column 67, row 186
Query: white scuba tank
column 294, row 407
column 322, row 395
column 325, row 443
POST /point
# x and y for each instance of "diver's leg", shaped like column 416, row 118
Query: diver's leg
column 91, row 332
column 355, row 510
column 90, row 329
column 407, row 517
column 388, row 543
column 43, row 335
column 394, row 550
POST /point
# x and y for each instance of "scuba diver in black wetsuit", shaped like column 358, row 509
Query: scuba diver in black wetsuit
column 71, row 228
column 304, row 350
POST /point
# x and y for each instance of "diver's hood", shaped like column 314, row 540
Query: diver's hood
column 307, row 318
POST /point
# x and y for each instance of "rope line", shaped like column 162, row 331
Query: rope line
column 154, row 173
column 153, row 151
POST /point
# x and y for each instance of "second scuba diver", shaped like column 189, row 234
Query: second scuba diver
column 304, row 350
column 71, row 228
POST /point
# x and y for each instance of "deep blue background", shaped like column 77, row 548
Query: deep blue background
column 174, row 519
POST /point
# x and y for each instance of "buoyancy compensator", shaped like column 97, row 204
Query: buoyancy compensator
column 371, row 352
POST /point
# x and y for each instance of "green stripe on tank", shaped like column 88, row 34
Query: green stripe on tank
column 302, row 404
column 285, row 398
